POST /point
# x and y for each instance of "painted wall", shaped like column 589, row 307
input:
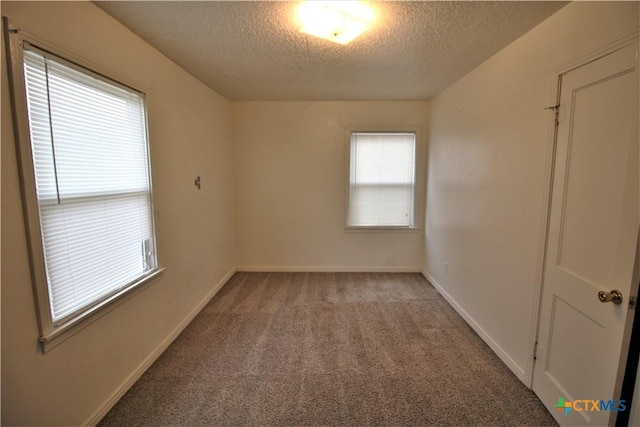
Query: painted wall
column 489, row 166
column 190, row 134
column 291, row 172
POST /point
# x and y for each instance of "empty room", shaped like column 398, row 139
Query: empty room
column 320, row 213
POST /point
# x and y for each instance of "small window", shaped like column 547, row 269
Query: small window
column 86, row 153
column 382, row 180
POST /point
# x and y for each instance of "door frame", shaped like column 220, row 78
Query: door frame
column 627, row 377
column 580, row 60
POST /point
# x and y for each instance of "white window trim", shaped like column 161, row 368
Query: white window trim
column 419, row 171
column 50, row 335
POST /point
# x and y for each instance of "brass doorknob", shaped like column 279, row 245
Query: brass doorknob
column 615, row 296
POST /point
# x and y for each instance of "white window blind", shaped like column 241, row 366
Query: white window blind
column 382, row 179
column 90, row 156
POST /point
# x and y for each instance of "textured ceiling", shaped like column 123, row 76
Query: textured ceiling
column 253, row 50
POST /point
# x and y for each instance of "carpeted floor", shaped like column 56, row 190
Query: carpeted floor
column 354, row 349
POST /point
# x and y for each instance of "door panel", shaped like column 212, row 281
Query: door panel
column 573, row 329
column 594, row 171
column 591, row 245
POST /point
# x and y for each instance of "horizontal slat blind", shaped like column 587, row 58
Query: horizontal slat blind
column 382, row 179
column 90, row 158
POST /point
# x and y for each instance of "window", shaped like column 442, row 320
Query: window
column 87, row 187
column 382, row 179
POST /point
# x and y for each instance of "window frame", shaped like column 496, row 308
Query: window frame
column 50, row 334
column 418, row 198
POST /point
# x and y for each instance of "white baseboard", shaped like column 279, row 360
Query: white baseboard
column 329, row 269
column 137, row 373
column 519, row 372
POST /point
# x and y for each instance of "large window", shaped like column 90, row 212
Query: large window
column 382, row 180
column 87, row 187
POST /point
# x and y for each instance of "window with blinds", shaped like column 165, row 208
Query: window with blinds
column 382, row 179
column 91, row 165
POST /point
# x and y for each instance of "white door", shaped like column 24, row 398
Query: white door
column 591, row 245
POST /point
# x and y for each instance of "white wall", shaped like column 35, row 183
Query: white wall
column 291, row 174
column 190, row 134
column 489, row 165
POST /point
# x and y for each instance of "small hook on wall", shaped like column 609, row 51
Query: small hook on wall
column 197, row 182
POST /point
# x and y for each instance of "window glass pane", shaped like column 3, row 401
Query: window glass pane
column 382, row 179
column 90, row 157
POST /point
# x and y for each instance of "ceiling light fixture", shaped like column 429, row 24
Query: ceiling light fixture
column 338, row 21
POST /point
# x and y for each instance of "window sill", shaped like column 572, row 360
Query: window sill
column 364, row 229
column 63, row 332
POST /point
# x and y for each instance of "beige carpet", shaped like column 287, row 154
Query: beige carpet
column 328, row 349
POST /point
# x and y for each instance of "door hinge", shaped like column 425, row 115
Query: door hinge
column 633, row 301
column 535, row 350
column 556, row 111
